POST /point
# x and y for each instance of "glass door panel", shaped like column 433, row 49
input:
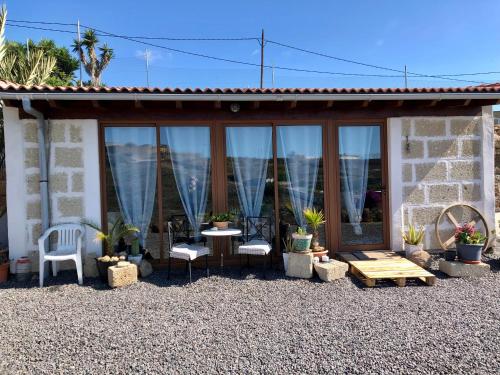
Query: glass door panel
column 131, row 181
column 185, row 159
column 361, row 185
column 300, row 174
column 249, row 165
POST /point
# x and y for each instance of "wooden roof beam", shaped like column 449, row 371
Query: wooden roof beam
column 178, row 104
column 138, row 104
column 292, row 104
column 467, row 102
column 366, row 103
column 53, row 104
column 217, row 104
column 96, row 104
column 434, row 103
column 400, row 103
column 255, row 105
column 329, row 104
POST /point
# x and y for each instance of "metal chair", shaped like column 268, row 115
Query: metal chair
column 181, row 225
column 68, row 247
column 256, row 240
column 180, row 249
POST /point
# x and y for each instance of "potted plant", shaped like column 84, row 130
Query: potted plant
column 135, row 256
column 221, row 221
column 315, row 218
column 470, row 243
column 413, row 239
column 287, row 250
column 301, row 240
column 4, row 265
column 110, row 240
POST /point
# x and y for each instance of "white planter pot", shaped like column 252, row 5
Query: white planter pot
column 285, row 261
column 135, row 259
column 410, row 249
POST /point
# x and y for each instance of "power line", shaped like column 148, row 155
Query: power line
column 366, row 64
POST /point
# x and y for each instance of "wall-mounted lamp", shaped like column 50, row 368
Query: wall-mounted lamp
column 234, row 107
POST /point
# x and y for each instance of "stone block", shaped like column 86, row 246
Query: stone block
column 407, row 173
column 33, row 183
column 36, row 233
column 58, row 183
column 70, row 206
column 430, row 127
column 145, row 268
column 69, row 157
column 414, row 195
column 31, row 157
column 406, row 127
column 470, row 148
column 75, row 134
column 331, row 271
column 77, row 183
column 430, row 172
column 471, row 192
column 57, row 133
column 90, row 266
column 30, row 132
column 415, row 150
column 122, row 276
column 442, row 149
column 300, row 265
column 33, row 210
column 468, row 126
column 425, row 215
column 465, row 170
column 443, row 193
column 459, row 269
column 421, row 258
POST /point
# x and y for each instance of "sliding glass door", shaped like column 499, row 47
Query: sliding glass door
column 363, row 198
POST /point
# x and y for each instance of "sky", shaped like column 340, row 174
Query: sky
column 429, row 36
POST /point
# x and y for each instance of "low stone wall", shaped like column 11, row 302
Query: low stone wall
column 442, row 165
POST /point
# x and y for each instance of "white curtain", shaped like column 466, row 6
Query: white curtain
column 355, row 146
column 132, row 158
column 301, row 149
column 190, row 152
column 250, row 149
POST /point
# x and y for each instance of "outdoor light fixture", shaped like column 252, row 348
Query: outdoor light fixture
column 235, row 107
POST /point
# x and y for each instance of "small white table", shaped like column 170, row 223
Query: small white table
column 221, row 233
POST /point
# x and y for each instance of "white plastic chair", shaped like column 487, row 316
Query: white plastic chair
column 69, row 247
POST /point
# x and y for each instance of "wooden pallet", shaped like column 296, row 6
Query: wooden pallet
column 370, row 266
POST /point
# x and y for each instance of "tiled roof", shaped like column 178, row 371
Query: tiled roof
column 13, row 87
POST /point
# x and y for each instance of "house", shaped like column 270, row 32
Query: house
column 374, row 160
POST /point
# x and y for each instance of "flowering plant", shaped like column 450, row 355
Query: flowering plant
column 467, row 234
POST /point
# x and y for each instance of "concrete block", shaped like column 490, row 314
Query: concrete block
column 75, row 134
column 430, row 127
column 31, row 157
column 413, row 195
column 77, row 183
column 331, row 271
column 300, row 265
column 33, row 183
column 470, row 148
column 407, row 173
column 443, row 193
column 465, row 170
column 57, row 133
column 145, row 268
column 69, row 157
column 416, row 150
column 33, row 210
column 122, row 276
column 90, row 266
column 430, row 172
column 459, row 269
column 442, row 149
column 58, row 183
column 464, row 126
column 31, row 132
column 425, row 215
column 70, row 207
column 471, row 192
column 406, row 127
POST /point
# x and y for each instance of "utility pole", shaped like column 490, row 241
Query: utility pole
column 406, row 79
column 79, row 46
column 262, row 60
column 146, row 55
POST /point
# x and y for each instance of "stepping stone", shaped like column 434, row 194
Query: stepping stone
column 122, row 276
column 330, row 271
column 459, row 269
column 300, row 265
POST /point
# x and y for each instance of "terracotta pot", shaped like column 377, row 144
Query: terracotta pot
column 4, row 272
column 319, row 254
column 221, row 224
column 469, row 253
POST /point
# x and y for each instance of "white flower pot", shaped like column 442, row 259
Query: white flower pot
column 410, row 249
column 285, row 261
column 135, row 259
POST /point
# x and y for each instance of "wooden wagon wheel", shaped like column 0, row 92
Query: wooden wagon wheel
column 476, row 218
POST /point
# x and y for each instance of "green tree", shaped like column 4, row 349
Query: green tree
column 94, row 65
column 63, row 73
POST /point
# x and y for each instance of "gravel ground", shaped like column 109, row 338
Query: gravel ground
column 227, row 324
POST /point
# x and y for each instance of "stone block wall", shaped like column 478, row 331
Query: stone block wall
column 66, row 176
column 441, row 165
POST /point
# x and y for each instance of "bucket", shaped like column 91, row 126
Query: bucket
column 23, row 269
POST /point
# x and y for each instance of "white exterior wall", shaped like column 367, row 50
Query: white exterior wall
column 74, row 187
column 450, row 160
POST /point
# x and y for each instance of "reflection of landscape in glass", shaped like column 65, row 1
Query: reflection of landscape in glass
column 195, row 153
column 127, row 141
column 303, row 145
column 353, row 152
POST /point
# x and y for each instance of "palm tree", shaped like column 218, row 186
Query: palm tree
column 93, row 65
column 32, row 69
